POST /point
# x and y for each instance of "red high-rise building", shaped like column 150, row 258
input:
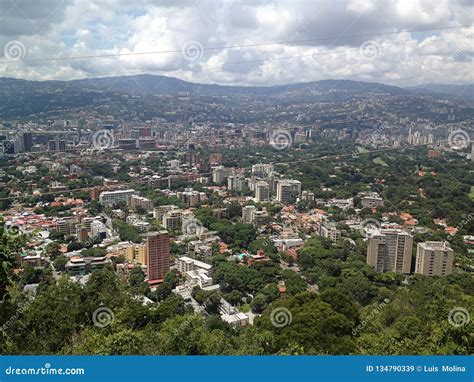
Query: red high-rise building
column 158, row 256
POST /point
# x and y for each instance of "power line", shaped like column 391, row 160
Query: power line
column 199, row 48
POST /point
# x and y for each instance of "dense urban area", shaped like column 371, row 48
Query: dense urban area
column 147, row 215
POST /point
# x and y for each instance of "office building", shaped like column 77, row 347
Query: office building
column 262, row 170
column 434, row 258
column 158, row 256
column 235, row 183
column 329, row 231
column 262, row 191
column 135, row 201
column 27, row 141
column 371, row 200
column 247, row 213
column 288, row 190
column 390, row 251
column 109, row 198
column 307, row 196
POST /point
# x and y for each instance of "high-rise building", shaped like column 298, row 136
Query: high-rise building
column 220, row 173
column 288, row 190
column 9, row 147
column 158, row 256
column 135, row 201
column 262, row 170
column 235, row 183
column 329, row 231
column 109, row 198
column 247, row 213
column 61, row 145
column 390, row 251
column 434, row 258
column 262, row 191
column 27, row 141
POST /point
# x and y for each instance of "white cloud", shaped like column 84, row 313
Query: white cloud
column 78, row 28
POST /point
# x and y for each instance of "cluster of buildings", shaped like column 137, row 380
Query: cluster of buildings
column 391, row 251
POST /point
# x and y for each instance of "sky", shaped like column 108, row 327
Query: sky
column 397, row 42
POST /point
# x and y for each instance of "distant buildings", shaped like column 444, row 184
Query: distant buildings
column 158, row 256
column 262, row 191
column 247, row 213
column 196, row 272
column 250, row 215
column 329, row 231
column 220, row 173
column 390, row 251
column 135, row 201
column 307, row 196
column 81, row 266
column 288, row 190
column 235, row 183
column 262, row 170
column 434, row 258
column 109, row 198
column 371, row 200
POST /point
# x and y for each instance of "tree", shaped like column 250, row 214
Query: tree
column 259, row 303
column 60, row 263
column 53, row 250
